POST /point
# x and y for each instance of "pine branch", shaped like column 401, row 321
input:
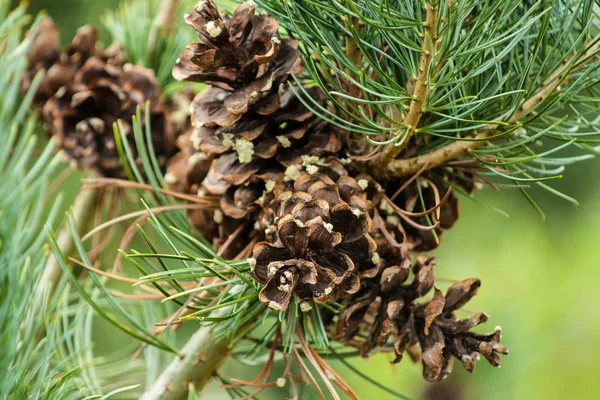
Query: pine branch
column 199, row 359
column 421, row 92
column 458, row 148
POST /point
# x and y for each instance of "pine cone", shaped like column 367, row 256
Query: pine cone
column 318, row 241
column 86, row 90
column 242, row 55
column 61, row 66
column 248, row 122
column 248, row 116
column 428, row 331
column 408, row 214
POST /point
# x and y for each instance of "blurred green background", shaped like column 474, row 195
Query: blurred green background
column 540, row 283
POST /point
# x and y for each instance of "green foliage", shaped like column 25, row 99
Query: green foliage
column 492, row 57
column 135, row 27
column 32, row 334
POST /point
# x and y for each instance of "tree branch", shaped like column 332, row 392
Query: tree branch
column 456, row 149
column 201, row 356
column 352, row 50
column 421, row 92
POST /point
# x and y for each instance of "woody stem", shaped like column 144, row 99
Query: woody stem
column 82, row 211
column 191, row 370
column 167, row 15
column 421, row 91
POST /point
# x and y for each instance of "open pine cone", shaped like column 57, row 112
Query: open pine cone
column 248, row 124
column 86, row 90
column 317, row 238
column 429, row 331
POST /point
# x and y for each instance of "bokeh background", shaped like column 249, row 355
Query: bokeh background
column 540, row 283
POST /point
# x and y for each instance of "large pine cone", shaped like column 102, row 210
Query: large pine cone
column 86, row 90
column 248, row 124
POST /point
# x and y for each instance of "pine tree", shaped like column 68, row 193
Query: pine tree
column 262, row 181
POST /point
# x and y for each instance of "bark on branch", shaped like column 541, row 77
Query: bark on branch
column 167, row 15
column 199, row 359
column 82, row 212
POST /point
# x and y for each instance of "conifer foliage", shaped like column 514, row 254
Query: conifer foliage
column 292, row 174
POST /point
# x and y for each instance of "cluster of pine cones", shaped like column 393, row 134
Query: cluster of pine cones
column 296, row 188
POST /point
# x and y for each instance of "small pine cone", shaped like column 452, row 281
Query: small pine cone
column 61, row 66
column 318, row 242
column 427, row 331
column 435, row 200
column 87, row 91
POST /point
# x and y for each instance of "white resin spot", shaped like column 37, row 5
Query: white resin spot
column 269, row 186
column 213, row 29
column 200, row 6
column 292, row 172
column 375, row 258
column 252, row 263
column 285, row 142
column 218, row 216
column 275, row 306
column 310, row 160
column 227, row 140
column 285, row 288
column 363, row 184
column 170, row 178
column 305, row 307
column 244, row 149
column 312, row 169
column 196, row 158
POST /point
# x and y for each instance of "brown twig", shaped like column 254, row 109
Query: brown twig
column 201, row 356
column 163, row 22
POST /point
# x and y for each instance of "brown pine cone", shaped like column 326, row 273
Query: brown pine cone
column 248, row 122
column 62, row 65
column 318, row 242
column 86, row 90
column 242, row 55
column 428, row 331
